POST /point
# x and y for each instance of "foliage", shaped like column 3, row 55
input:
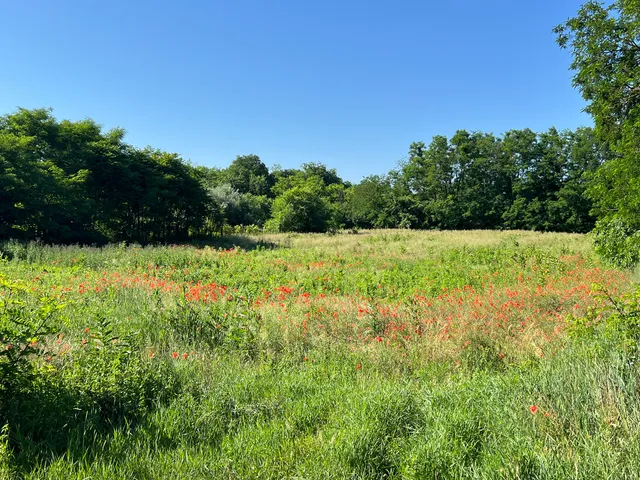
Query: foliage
column 616, row 318
column 240, row 208
column 523, row 180
column 617, row 241
column 367, row 203
column 247, row 174
column 603, row 41
column 301, row 207
column 70, row 182
column 22, row 329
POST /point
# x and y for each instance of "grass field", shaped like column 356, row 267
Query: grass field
column 383, row 354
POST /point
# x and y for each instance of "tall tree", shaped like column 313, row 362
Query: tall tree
column 302, row 206
column 247, row 174
column 368, row 203
column 605, row 44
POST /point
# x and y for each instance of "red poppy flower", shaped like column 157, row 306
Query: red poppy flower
column 533, row 409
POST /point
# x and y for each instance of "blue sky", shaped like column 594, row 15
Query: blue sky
column 349, row 83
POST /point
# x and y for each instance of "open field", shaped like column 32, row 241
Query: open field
column 383, row 354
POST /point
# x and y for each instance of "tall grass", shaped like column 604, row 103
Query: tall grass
column 379, row 355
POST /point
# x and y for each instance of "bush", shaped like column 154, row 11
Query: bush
column 617, row 242
column 272, row 226
column 23, row 326
column 618, row 319
column 53, row 390
column 87, row 391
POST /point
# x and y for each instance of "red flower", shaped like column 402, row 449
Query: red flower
column 533, row 409
column 174, row 354
column 359, row 366
column 184, row 356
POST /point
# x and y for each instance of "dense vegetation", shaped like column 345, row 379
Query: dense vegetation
column 605, row 44
column 387, row 354
column 70, row 182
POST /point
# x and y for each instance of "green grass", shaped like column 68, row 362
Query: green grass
column 387, row 354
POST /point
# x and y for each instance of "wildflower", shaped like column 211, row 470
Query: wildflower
column 86, row 330
column 533, row 409
column 184, row 356
column 359, row 366
column 174, row 354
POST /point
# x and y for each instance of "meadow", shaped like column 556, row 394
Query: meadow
column 378, row 354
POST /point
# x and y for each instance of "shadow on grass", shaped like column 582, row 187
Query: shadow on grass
column 28, row 251
column 232, row 241
column 49, row 419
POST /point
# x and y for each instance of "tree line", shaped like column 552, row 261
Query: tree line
column 72, row 182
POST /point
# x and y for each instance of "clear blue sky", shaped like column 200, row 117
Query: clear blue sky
column 350, row 83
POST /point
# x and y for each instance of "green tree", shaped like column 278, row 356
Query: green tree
column 301, row 207
column 247, row 174
column 40, row 198
column 71, row 182
column 537, row 163
column 571, row 210
column 479, row 179
column 368, row 204
column 328, row 176
column 425, row 188
column 238, row 208
column 605, row 44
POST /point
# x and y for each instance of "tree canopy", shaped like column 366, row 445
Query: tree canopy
column 72, row 182
column 605, row 45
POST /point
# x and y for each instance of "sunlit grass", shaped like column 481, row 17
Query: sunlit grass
column 381, row 354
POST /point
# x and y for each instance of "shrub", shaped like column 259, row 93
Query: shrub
column 616, row 318
column 23, row 327
column 617, row 242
